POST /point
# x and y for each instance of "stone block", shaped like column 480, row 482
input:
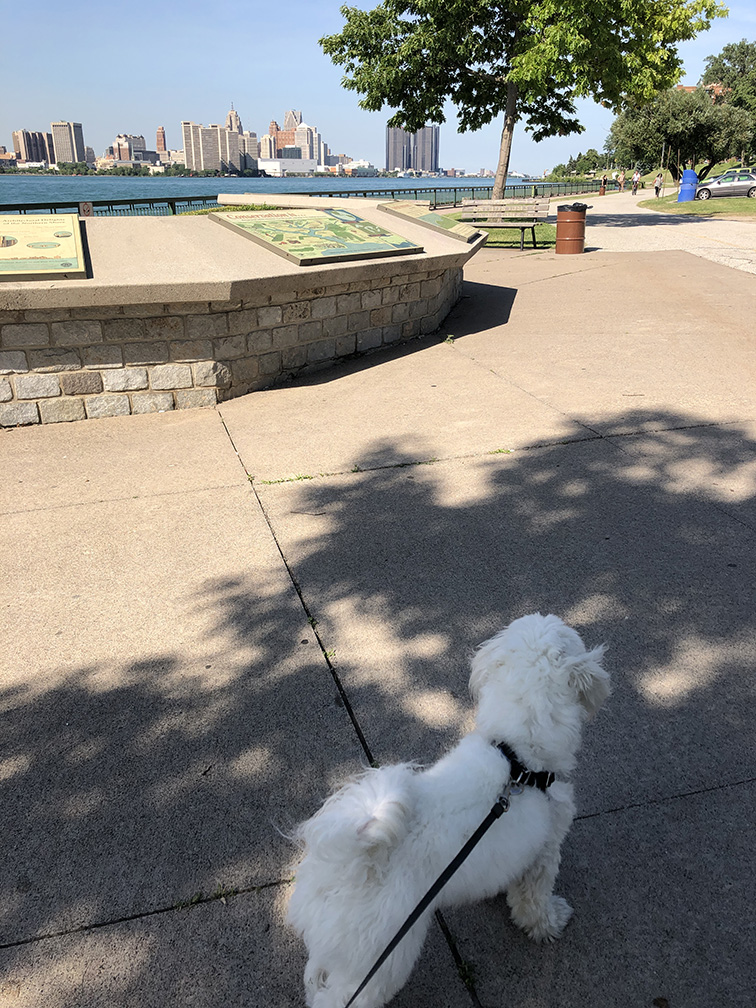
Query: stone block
column 151, row 402
column 18, row 414
column 100, row 313
column 430, row 288
column 125, row 379
column 369, row 339
column 212, row 373
column 13, row 361
column 293, row 357
column 105, row 356
column 18, row 336
column 107, row 406
column 170, row 376
column 37, row 386
column 6, row 392
column 370, row 299
column 225, row 306
column 164, row 327
column 358, row 320
column 346, row 303
column 46, row 314
column 81, row 383
column 244, row 371
column 194, row 398
column 296, row 311
column 61, row 410
column 346, row 345
column 417, row 309
column 409, row 291
column 410, row 329
column 259, row 341
column 400, row 312
column 270, row 363
column 188, row 308
column 380, row 316
column 390, row 295
column 286, row 336
column 309, row 331
column 144, row 310
column 430, row 323
column 321, row 351
column 76, row 333
column 323, row 308
column 191, row 350
column 392, row 333
column 229, row 346
column 124, row 330
column 9, row 316
column 145, row 353
column 206, row 327
column 53, row 359
column 337, row 326
column 271, row 315
column 242, row 322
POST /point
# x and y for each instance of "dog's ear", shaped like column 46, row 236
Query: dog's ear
column 590, row 679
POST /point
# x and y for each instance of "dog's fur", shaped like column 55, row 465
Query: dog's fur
column 376, row 846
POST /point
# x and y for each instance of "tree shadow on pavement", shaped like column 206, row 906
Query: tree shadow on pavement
column 127, row 790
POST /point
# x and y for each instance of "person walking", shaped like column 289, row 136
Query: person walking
column 621, row 180
column 658, row 183
column 636, row 181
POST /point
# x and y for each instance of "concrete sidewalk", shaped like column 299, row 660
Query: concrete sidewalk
column 193, row 659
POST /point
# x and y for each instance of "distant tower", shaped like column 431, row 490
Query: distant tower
column 68, row 141
column 418, row 151
column 160, row 139
column 233, row 122
column 292, row 119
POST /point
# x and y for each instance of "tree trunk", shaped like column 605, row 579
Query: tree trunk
column 505, row 149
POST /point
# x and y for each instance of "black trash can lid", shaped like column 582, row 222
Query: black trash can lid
column 576, row 207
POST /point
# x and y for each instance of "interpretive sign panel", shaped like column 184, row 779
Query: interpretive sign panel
column 309, row 237
column 41, row 247
column 420, row 214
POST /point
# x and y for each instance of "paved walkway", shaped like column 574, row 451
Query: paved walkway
column 618, row 224
column 192, row 660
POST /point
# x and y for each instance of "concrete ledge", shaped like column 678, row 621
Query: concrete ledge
column 156, row 328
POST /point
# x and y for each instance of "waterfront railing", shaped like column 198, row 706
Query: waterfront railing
column 168, row 206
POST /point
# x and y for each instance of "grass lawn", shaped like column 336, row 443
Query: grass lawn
column 224, row 209
column 545, row 235
column 723, row 206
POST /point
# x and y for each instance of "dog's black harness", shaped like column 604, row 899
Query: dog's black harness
column 519, row 777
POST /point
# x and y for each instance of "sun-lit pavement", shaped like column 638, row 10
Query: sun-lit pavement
column 617, row 224
column 192, row 659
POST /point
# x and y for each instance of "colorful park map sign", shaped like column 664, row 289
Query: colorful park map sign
column 420, row 214
column 41, row 247
column 309, row 237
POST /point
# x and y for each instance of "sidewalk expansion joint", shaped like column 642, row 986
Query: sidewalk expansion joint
column 667, row 798
column 199, row 899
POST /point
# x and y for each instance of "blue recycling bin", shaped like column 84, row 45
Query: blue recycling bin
column 688, row 186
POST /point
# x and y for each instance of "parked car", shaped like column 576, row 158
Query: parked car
column 741, row 183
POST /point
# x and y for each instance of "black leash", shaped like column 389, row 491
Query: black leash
column 499, row 808
column 519, row 777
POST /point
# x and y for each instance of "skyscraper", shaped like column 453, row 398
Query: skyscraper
column 210, row 148
column 417, row 151
column 33, row 146
column 233, row 122
column 68, row 141
column 160, row 139
column 292, row 119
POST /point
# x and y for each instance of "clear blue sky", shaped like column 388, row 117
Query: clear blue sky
column 129, row 68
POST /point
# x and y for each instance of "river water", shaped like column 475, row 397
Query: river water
column 81, row 188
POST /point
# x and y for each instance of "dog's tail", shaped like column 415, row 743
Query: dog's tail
column 370, row 813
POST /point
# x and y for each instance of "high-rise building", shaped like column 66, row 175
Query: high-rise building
column 292, row 119
column 417, row 151
column 233, row 122
column 125, row 144
column 68, row 142
column 33, row 146
column 210, row 148
column 160, row 139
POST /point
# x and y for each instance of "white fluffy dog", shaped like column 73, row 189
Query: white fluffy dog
column 377, row 845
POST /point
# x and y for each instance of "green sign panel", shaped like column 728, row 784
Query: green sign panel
column 41, row 247
column 309, row 237
column 420, row 214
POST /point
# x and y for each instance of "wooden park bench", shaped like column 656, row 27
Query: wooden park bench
column 507, row 213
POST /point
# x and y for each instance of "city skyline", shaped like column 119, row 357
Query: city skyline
column 179, row 70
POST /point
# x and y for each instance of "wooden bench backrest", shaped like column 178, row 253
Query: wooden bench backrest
column 506, row 209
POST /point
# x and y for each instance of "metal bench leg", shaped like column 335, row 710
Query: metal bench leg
column 532, row 233
column 522, row 239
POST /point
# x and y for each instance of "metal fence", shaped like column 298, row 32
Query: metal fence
column 436, row 195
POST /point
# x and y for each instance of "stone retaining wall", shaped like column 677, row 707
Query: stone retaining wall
column 62, row 364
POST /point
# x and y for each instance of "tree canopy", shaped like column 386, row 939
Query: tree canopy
column 530, row 59
column 735, row 69
column 689, row 126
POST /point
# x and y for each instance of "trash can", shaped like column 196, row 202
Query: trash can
column 570, row 228
column 688, row 186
